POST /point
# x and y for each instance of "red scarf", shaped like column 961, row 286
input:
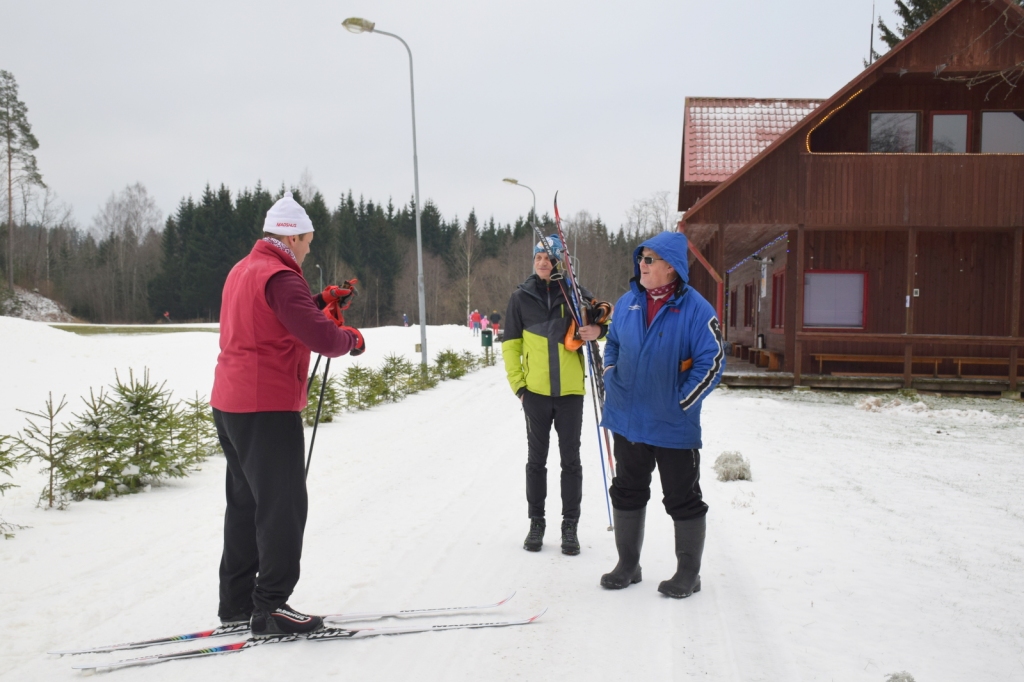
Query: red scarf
column 658, row 297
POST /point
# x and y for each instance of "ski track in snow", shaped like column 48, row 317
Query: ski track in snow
column 868, row 542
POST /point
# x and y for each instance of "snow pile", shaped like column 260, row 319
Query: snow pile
column 732, row 466
column 31, row 305
column 875, row 404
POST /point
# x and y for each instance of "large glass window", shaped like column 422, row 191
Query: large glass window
column 1002, row 132
column 834, row 299
column 894, row 132
column 949, row 133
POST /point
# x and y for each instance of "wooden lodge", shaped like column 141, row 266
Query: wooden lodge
column 874, row 239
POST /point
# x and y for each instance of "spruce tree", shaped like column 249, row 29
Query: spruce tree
column 16, row 154
column 912, row 14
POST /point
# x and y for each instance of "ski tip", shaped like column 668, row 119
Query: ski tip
column 508, row 598
column 545, row 610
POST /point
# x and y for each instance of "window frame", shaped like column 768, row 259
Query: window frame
column 749, row 293
column 917, row 140
column 864, row 306
column 951, row 112
column 734, row 298
column 981, row 120
column 778, row 301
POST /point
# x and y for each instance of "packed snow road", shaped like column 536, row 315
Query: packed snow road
column 874, row 538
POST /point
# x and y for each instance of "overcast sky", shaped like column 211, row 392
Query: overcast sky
column 581, row 97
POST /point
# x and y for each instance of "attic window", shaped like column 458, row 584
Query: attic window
column 894, row 132
column 1002, row 132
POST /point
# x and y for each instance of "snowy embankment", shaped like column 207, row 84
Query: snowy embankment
column 870, row 541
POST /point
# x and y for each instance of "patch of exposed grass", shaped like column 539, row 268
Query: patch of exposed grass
column 94, row 329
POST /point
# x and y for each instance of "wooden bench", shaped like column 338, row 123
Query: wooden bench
column 960, row 362
column 762, row 357
column 822, row 358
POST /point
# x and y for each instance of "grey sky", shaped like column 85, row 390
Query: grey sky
column 582, row 97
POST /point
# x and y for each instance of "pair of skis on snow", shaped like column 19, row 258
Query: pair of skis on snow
column 326, row 633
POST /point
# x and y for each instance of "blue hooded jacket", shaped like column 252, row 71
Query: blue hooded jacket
column 660, row 375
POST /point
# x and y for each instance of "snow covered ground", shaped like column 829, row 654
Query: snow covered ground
column 875, row 537
column 31, row 305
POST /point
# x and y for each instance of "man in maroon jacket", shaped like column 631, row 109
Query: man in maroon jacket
column 269, row 323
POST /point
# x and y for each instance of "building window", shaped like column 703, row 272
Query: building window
column 748, row 305
column 779, row 300
column 894, row 132
column 733, row 300
column 1002, row 132
column 835, row 299
column 949, row 133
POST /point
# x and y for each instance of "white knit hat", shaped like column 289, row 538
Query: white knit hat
column 287, row 217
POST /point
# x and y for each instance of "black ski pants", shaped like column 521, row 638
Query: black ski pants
column 680, row 478
column 566, row 413
column 266, row 508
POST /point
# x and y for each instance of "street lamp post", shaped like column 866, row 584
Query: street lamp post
column 533, row 219
column 357, row 25
column 321, row 276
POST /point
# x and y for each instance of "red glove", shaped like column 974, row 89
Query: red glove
column 360, row 346
column 341, row 295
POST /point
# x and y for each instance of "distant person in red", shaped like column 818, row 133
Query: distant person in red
column 474, row 321
column 167, row 315
column 495, row 319
column 269, row 322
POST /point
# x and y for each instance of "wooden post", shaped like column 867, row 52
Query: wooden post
column 720, row 266
column 1018, row 246
column 790, row 302
column 908, row 352
column 798, row 350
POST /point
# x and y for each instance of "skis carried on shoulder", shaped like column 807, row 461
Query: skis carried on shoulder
column 324, row 634
column 243, row 628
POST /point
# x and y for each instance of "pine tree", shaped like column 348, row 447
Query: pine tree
column 17, row 157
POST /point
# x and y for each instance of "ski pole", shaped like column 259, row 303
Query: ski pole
column 309, row 384
column 319, row 405
column 600, row 448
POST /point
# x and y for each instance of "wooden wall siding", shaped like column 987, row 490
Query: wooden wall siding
column 849, row 129
column 969, row 38
column 883, row 256
column 767, row 194
column 920, row 190
column 689, row 194
column 964, row 282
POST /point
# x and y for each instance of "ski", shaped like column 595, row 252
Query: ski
column 320, row 635
column 243, row 628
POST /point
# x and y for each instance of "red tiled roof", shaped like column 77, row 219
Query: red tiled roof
column 721, row 134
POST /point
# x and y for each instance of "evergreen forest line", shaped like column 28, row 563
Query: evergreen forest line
column 131, row 269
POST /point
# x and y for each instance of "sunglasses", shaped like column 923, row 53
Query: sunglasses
column 649, row 260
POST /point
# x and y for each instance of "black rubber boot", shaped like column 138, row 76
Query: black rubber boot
column 689, row 549
column 570, row 541
column 284, row 620
column 629, row 539
column 535, row 538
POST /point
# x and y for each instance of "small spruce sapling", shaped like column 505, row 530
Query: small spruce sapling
column 46, row 441
column 332, row 400
column 97, row 446
column 198, row 434
column 8, row 461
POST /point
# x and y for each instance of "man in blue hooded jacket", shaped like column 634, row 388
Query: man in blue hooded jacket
column 663, row 357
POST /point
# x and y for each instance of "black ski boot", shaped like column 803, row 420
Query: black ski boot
column 284, row 620
column 570, row 542
column 629, row 539
column 535, row 538
column 689, row 549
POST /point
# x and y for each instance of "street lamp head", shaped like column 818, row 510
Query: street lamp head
column 511, row 181
column 357, row 25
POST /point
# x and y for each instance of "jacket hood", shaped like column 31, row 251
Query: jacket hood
column 673, row 247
